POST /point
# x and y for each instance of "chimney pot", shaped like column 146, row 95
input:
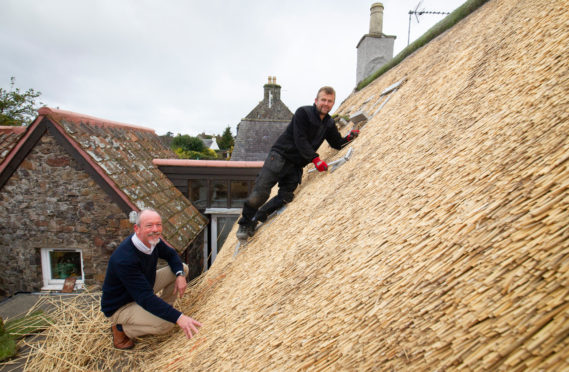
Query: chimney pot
column 272, row 90
column 376, row 19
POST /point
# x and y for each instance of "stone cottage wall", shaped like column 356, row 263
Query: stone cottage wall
column 51, row 202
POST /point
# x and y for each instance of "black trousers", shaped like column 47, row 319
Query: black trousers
column 275, row 170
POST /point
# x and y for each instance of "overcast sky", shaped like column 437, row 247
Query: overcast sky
column 189, row 66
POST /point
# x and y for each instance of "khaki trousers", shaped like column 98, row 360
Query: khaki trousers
column 136, row 321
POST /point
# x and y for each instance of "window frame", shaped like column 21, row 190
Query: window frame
column 230, row 192
column 50, row 284
column 208, row 191
column 210, row 181
column 211, row 190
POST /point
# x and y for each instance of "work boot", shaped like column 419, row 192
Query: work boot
column 261, row 216
column 266, row 210
column 120, row 339
column 246, row 230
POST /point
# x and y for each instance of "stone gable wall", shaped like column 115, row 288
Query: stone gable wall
column 271, row 107
column 255, row 139
column 51, row 202
column 276, row 112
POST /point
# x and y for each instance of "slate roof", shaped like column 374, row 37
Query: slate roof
column 255, row 138
column 119, row 157
column 271, row 108
column 210, row 143
column 8, row 138
column 257, row 132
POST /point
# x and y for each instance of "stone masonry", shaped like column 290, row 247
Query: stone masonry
column 51, row 202
column 374, row 49
column 257, row 132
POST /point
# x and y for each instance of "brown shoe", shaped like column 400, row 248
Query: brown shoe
column 120, row 339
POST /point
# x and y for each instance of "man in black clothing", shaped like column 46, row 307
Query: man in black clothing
column 292, row 151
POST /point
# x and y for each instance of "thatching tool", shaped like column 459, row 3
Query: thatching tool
column 337, row 163
column 239, row 244
column 361, row 118
column 358, row 117
column 389, row 90
column 242, row 243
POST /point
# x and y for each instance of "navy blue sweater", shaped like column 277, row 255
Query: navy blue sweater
column 130, row 277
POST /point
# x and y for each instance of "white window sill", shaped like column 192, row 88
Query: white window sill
column 59, row 287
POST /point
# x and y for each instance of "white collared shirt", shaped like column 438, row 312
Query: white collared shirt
column 141, row 246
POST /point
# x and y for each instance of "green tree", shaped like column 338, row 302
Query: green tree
column 226, row 140
column 188, row 147
column 207, row 154
column 205, row 136
column 17, row 108
column 186, row 142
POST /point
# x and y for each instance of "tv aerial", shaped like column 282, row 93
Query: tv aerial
column 418, row 13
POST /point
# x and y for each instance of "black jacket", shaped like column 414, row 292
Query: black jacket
column 304, row 135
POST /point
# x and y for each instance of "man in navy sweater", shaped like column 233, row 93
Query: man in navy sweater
column 129, row 298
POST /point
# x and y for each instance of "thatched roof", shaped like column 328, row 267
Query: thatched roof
column 441, row 245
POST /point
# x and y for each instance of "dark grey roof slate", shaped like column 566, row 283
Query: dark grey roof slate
column 258, row 131
column 255, row 138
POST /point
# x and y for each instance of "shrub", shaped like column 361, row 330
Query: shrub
column 18, row 328
column 8, row 347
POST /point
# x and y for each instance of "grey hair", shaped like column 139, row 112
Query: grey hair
column 137, row 219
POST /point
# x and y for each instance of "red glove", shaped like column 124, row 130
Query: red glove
column 353, row 134
column 320, row 164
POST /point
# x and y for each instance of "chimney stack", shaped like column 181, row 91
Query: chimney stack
column 272, row 90
column 376, row 19
column 375, row 48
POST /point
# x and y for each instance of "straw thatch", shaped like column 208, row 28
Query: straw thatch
column 441, row 245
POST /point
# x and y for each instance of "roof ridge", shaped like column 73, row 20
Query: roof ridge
column 13, row 129
column 92, row 120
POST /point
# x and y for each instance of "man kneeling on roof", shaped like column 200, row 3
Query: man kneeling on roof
column 292, row 151
column 132, row 281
